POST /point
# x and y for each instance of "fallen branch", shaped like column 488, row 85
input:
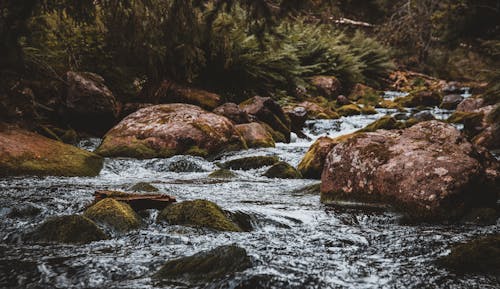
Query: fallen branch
column 138, row 202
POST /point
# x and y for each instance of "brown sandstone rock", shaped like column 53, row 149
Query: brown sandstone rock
column 255, row 135
column 233, row 112
column 429, row 171
column 170, row 92
column 170, row 129
column 327, row 86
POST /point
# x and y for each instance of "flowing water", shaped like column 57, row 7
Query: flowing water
column 296, row 242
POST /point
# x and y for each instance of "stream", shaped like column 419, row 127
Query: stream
column 297, row 242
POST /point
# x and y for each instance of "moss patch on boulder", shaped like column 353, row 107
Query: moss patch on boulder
column 283, row 170
column 26, row 153
column 206, row 266
column 249, row 163
column 476, row 256
column 119, row 216
column 198, row 213
column 222, row 174
column 386, row 122
column 349, row 110
column 73, row 229
column 144, row 187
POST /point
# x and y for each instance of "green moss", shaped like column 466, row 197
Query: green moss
column 206, row 266
column 198, row 213
column 420, row 98
column 249, row 163
column 283, row 170
column 222, row 174
column 120, row 216
column 68, row 229
column 133, row 149
column 70, row 136
column 197, row 151
column 368, row 109
column 462, row 117
column 386, row 122
column 481, row 256
column 144, row 187
column 389, row 104
column 348, row 110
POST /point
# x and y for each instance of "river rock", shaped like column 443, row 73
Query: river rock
column 249, row 163
column 298, row 117
column 198, row 213
column 27, row 153
column 386, row 122
column 451, row 101
column 423, row 116
column 68, row 229
column 233, row 112
column 327, row 86
column 170, row 92
column 342, row 100
column 421, row 98
column 364, row 94
column 312, row 164
column 255, row 135
column 137, row 202
column 91, row 106
column 476, row 256
column 170, row 129
column 429, row 171
column 222, row 174
column 144, row 187
column 317, row 111
column 206, row 266
column 265, row 109
column 117, row 215
column 283, row 170
column 349, row 110
column 470, row 104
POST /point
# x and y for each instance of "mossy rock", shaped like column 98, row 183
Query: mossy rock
column 364, row 94
column 119, row 216
column 144, row 187
column 386, row 122
column 249, row 163
column 463, row 117
column 181, row 164
column 206, row 266
column 198, row 213
column 476, row 256
column 277, row 136
column 73, row 229
column 70, row 136
column 368, row 109
column 283, row 170
column 349, row 110
column 222, row 174
column 420, row 98
column 26, row 153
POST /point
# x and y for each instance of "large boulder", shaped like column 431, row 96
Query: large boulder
column 477, row 256
column 206, row 266
column 198, row 213
column 267, row 110
column 170, row 92
column 233, row 112
column 117, row 215
column 170, row 129
column 27, row 153
column 327, row 86
column 91, row 106
column 255, row 135
column 430, row 171
column 73, row 229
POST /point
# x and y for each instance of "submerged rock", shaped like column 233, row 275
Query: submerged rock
column 429, row 171
column 144, row 187
column 27, row 153
column 198, row 213
column 91, row 105
column 170, row 129
column 265, row 109
column 283, row 170
column 206, row 266
column 222, row 174
column 68, row 229
column 477, row 256
column 249, row 163
column 233, row 112
column 184, row 164
column 115, row 214
column 255, row 135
